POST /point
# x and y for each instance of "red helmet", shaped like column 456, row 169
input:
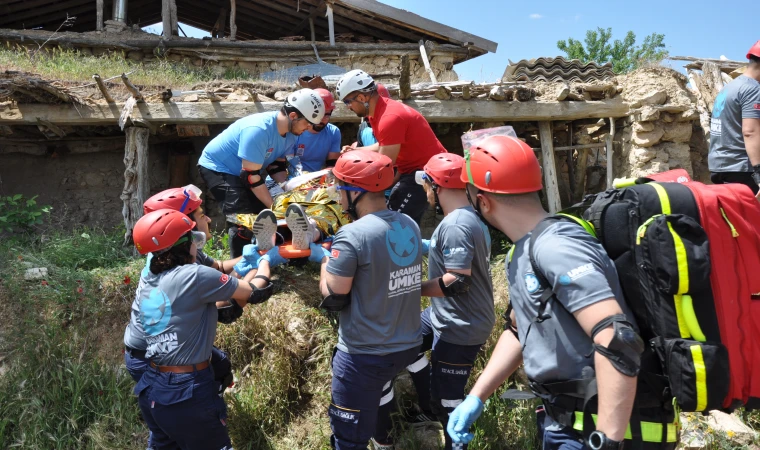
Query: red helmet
column 327, row 98
column 382, row 91
column 502, row 165
column 368, row 170
column 160, row 229
column 446, row 170
column 754, row 51
column 185, row 200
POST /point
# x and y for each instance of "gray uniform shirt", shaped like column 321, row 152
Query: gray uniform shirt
column 461, row 241
column 738, row 100
column 381, row 251
column 178, row 313
column 581, row 274
column 134, row 335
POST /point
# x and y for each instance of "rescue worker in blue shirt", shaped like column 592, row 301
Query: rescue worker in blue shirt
column 573, row 325
column 178, row 300
column 461, row 315
column 233, row 164
column 319, row 147
column 372, row 276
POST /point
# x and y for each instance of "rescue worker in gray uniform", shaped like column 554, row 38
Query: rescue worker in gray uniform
column 178, row 303
column 572, row 322
column 373, row 277
column 735, row 129
column 461, row 315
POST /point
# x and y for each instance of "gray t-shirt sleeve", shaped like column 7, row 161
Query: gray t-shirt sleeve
column 574, row 266
column 203, row 259
column 750, row 101
column 214, row 286
column 458, row 247
column 344, row 258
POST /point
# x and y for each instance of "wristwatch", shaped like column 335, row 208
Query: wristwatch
column 599, row 441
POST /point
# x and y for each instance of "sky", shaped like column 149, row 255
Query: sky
column 525, row 30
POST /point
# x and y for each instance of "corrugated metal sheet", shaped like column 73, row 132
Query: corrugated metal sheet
column 557, row 69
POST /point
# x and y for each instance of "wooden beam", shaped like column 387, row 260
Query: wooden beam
column 233, row 24
column 361, row 18
column 225, row 113
column 312, row 30
column 136, row 178
column 59, row 9
column 331, row 24
column 166, row 18
column 418, row 23
column 103, row 88
column 99, row 19
column 405, row 81
column 424, row 57
column 549, row 167
column 610, row 153
column 173, row 17
column 313, row 13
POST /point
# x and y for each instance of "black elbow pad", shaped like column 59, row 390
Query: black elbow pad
column 230, row 313
column 625, row 348
column 460, row 285
column 335, row 302
column 260, row 295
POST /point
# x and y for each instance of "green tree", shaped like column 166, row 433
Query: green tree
column 624, row 55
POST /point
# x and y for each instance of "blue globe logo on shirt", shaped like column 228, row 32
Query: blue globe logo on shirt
column 720, row 103
column 402, row 244
column 531, row 282
column 155, row 312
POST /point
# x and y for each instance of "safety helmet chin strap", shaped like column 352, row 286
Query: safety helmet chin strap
column 476, row 207
column 438, row 208
column 352, row 203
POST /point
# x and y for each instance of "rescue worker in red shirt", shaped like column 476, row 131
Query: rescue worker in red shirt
column 402, row 134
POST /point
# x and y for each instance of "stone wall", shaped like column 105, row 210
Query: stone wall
column 658, row 136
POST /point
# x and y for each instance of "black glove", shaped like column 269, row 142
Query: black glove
column 230, row 313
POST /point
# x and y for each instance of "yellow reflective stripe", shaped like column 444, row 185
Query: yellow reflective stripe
column 734, row 233
column 509, row 254
column 683, row 281
column 588, row 226
column 664, row 199
column 690, row 317
column 650, row 431
column 699, row 370
column 641, row 231
column 619, row 183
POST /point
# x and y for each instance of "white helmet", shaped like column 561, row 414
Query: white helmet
column 308, row 103
column 355, row 80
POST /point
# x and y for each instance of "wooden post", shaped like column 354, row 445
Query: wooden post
column 331, row 24
column 233, row 26
column 218, row 31
column 423, row 55
column 550, row 169
column 173, row 15
column 136, row 178
column 103, row 89
column 99, row 15
column 404, row 82
column 610, row 152
column 166, row 18
column 313, row 31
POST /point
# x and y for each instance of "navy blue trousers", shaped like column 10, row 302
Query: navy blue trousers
column 183, row 411
column 357, row 389
column 446, row 375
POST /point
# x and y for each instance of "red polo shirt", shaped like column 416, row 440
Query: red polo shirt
column 396, row 123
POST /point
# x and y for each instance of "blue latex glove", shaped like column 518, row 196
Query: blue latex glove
column 462, row 418
column 251, row 253
column 274, row 258
column 425, row 246
column 317, row 253
column 243, row 267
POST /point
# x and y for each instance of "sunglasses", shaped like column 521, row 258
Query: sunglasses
column 348, row 101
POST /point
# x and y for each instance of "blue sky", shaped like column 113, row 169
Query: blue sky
column 531, row 29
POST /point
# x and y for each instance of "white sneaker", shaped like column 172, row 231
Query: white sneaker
column 264, row 229
column 300, row 226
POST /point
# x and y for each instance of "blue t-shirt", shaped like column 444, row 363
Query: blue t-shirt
column 366, row 135
column 312, row 148
column 253, row 138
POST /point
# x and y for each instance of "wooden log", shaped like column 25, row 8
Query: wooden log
column 40, row 84
column 99, row 15
column 424, row 57
column 550, row 169
column 233, row 25
column 166, row 18
column 226, row 113
column 132, row 88
column 610, row 153
column 712, row 81
column 136, row 178
column 173, row 15
column 45, row 125
column 405, row 88
column 579, row 147
column 103, row 88
column 331, row 24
